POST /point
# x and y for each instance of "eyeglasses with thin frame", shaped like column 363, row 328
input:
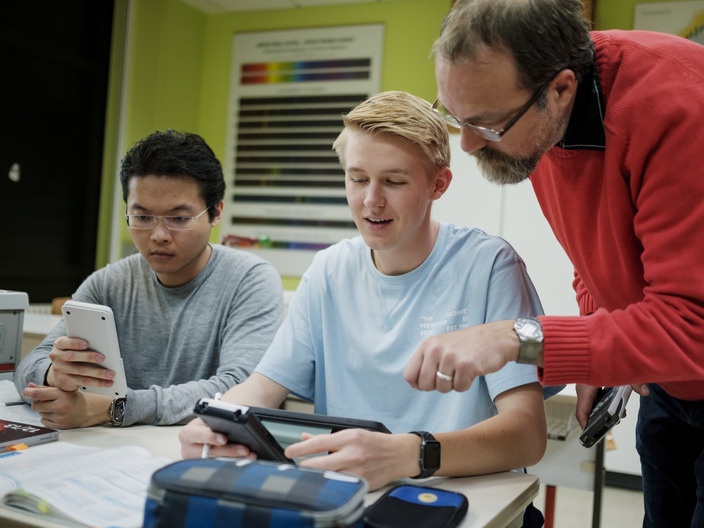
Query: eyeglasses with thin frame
column 173, row 223
column 488, row 133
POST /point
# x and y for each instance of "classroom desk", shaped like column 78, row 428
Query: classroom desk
column 495, row 501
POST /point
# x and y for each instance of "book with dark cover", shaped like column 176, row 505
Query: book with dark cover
column 16, row 433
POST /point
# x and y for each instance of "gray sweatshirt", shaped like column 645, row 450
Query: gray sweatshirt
column 179, row 344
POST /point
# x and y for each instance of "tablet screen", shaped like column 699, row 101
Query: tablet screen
column 290, row 433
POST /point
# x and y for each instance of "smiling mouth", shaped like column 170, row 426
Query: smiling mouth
column 377, row 221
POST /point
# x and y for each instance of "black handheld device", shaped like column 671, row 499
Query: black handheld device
column 306, row 420
column 608, row 409
column 287, row 426
column 241, row 426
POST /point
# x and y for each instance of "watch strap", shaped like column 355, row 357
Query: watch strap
column 530, row 334
column 530, row 353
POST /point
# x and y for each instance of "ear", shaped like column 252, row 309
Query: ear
column 562, row 90
column 217, row 216
column 442, row 181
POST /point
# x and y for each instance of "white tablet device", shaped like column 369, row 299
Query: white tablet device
column 95, row 323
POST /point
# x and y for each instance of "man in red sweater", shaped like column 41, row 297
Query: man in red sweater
column 608, row 127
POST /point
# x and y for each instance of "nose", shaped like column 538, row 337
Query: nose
column 160, row 231
column 471, row 141
column 374, row 196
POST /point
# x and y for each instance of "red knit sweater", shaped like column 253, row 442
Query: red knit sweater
column 631, row 219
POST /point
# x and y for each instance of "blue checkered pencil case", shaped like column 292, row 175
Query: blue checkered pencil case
column 217, row 492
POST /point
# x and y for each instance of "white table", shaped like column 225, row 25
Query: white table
column 495, row 501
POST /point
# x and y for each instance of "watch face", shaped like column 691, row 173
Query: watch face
column 529, row 329
column 118, row 413
column 120, row 409
column 432, row 455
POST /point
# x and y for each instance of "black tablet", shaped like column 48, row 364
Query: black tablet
column 287, row 426
column 241, row 426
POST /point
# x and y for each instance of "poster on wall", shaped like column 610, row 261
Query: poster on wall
column 285, row 197
column 685, row 19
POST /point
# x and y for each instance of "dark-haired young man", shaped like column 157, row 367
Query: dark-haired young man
column 192, row 318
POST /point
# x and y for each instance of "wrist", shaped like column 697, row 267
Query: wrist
column 95, row 409
column 515, row 342
column 105, row 413
column 411, row 454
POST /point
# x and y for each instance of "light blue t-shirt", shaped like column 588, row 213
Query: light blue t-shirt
column 351, row 330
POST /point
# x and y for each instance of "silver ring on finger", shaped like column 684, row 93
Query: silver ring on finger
column 443, row 377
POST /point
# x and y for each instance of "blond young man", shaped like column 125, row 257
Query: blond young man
column 365, row 304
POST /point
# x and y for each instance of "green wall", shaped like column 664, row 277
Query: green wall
column 168, row 39
column 179, row 64
column 618, row 14
column 410, row 27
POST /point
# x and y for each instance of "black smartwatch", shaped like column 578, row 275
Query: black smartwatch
column 117, row 411
column 429, row 460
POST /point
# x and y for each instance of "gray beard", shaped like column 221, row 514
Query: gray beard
column 501, row 168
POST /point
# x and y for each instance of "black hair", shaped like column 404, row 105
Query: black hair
column 176, row 154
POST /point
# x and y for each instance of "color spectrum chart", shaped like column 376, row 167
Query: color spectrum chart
column 285, row 194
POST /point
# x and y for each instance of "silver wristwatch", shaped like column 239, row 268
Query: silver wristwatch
column 117, row 411
column 530, row 333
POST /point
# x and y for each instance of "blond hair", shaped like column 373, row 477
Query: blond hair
column 400, row 114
